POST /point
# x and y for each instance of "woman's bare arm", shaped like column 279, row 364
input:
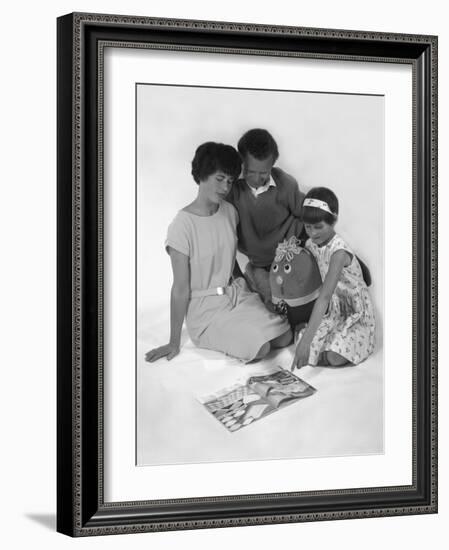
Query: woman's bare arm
column 179, row 300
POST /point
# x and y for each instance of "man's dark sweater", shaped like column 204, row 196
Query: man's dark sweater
column 267, row 219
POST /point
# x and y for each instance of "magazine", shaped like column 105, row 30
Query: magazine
column 239, row 405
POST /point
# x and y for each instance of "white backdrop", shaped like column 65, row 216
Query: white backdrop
column 28, row 275
column 331, row 140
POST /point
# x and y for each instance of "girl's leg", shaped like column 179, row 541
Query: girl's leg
column 331, row 359
column 282, row 340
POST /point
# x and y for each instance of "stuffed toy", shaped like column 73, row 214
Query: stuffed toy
column 295, row 281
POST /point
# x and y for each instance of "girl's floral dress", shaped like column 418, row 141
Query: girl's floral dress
column 348, row 327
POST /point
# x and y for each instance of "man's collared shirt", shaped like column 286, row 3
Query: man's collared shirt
column 259, row 190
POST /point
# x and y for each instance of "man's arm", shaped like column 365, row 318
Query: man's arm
column 294, row 197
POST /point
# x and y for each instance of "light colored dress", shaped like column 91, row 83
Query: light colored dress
column 236, row 323
column 348, row 327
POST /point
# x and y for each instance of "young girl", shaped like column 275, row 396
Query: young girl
column 341, row 327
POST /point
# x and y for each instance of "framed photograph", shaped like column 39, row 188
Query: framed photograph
column 247, row 274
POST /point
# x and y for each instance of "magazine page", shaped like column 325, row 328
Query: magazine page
column 280, row 386
column 239, row 405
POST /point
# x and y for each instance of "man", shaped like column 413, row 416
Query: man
column 268, row 201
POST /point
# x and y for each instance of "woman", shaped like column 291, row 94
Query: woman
column 221, row 314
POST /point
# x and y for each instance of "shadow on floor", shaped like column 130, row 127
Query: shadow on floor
column 47, row 520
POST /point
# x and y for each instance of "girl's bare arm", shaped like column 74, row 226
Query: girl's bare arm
column 338, row 261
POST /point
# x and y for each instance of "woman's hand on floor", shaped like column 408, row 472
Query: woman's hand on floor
column 169, row 351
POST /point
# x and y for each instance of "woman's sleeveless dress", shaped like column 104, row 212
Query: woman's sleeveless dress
column 236, row 323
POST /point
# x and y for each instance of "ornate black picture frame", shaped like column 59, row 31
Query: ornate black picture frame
column 81, row 509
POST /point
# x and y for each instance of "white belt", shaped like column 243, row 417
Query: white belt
column 214, row 291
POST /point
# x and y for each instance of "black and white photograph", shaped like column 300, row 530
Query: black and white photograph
column 247, row 263
column 259, row 274
column 222, row 290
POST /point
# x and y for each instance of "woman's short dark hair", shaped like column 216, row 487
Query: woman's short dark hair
column 211, row 157
column 310, row 214
column 259, row 143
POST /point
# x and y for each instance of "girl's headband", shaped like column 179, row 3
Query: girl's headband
column 316, row 203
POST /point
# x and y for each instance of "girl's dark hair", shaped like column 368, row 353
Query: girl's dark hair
column 310, row 214
column 259, row 143
column 211, row 157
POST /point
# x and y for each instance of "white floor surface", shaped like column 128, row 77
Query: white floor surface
column 344, row 417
